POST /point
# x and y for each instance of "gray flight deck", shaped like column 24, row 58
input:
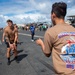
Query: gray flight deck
column 32, row 61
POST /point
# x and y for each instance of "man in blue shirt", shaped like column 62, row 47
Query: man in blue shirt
column 32, row 29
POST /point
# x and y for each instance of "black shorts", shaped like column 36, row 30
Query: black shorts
column 7, row 44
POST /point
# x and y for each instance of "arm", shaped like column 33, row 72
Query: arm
column 46, row 45
column 3, row 37
column 16, row 36
column 5, row 34
column 41, row 43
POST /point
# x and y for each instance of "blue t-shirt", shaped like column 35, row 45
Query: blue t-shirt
column 32, row 29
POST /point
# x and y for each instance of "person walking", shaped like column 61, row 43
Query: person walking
column 32, row 30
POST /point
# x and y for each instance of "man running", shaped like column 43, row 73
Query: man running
column 59, row 41
column 11, row 35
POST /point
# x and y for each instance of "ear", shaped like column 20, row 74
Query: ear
column 53, row 15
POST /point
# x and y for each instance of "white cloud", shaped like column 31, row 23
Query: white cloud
column 2, row 21
column 69, row 1
column 25, row 18
column 42, row 5
column 23, row 11
column 71, row 11
column 20, row 9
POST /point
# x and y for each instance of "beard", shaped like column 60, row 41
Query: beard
column 53, row 23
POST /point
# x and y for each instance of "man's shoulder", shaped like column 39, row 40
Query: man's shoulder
column 52, row 29
column 5, row 27
column 16, row 30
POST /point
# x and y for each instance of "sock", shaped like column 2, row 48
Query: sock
column 8, row 59
column 15, row 57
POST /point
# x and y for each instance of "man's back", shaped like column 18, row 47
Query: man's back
column 63, row 47
column 60, row 41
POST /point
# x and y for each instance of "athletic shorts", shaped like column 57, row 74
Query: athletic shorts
column 7, row 44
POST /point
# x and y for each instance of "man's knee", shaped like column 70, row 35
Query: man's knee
column 8, row 50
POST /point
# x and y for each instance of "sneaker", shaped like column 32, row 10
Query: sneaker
column 32, row 40
column 8, row 63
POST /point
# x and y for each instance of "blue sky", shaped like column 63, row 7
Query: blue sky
column 25, row 11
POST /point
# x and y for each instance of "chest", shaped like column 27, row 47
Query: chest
column 11, row 32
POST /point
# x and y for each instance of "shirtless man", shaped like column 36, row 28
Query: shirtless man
column 11, row 35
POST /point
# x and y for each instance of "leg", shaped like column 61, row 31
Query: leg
column 8, row 52
column 15, row 54
column 32, row 37
column 8, row 55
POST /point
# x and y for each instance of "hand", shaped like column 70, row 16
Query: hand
column 2, row 40
column 14, row 44
column 39, row 41
column 11, row 46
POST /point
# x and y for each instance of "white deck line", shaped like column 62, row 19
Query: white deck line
column 30, row 35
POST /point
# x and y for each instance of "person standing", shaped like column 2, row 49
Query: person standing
column 59, row 41
column 11, row 35
column 32, row 30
